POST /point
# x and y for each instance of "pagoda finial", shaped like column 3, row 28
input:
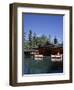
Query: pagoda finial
column 55, row 40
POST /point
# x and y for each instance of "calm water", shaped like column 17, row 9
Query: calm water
column 32, row 66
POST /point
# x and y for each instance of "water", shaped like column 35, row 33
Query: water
column 32, row 66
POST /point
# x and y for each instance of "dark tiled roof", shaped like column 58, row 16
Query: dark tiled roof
column 52, row 46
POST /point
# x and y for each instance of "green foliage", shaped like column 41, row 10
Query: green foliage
column 26, row 45
column 30, row 39
column 35, row 41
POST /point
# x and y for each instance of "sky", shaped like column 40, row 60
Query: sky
column 44, row 25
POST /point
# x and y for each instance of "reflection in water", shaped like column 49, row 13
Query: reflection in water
column 32, row 66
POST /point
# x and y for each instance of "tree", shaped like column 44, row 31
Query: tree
column 43, row 39
column 26, row 45
column 24, row 36
column 34, row 42
column 47, row 43
column 30, row 38
column 49, row 38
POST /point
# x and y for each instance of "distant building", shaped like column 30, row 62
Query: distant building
column 55, row 51
column 51, row 49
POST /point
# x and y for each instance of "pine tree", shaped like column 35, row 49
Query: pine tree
column 34, row 40
column 30, row 39
column 49, row 38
